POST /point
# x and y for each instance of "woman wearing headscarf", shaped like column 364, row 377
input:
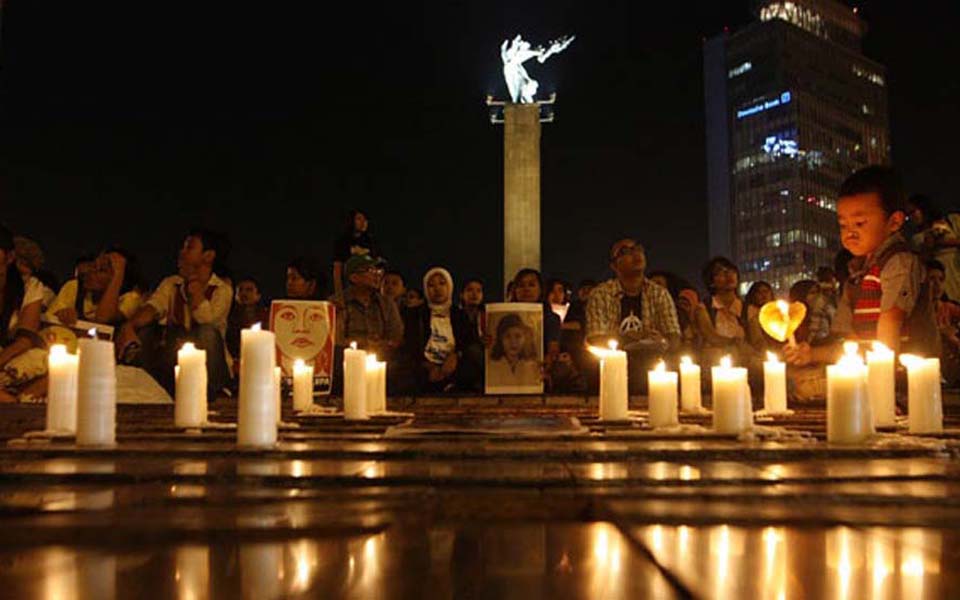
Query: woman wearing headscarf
column 439, row 340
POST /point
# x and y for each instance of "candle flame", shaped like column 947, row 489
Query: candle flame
column 92, row 332
column 686, row 360
column 612, row 344
column 255, row 327
column 371, row 360
column 910, row 361
column 661, row 367
column 353, row 345
column 880, row 347
column 772, row 358
column 58, row 350
column 188, row 347
column 298, row 364
column 850, row 348
column 784, row 309
column 726, row 362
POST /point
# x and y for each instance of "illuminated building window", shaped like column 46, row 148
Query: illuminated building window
column 800, row 16
column 869, row 76
column 740, row 70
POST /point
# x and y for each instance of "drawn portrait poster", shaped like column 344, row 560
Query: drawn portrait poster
column 305, row 329
column 514, row 357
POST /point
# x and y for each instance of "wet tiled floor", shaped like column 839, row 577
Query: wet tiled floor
column 565, row 509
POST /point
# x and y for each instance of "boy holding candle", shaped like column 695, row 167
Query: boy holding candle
column 192, row 305
column 884, row 298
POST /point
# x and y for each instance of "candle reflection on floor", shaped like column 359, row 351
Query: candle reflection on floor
column 192, row 572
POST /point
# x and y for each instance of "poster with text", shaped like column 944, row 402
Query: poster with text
column 305, row 329
column 515, row 352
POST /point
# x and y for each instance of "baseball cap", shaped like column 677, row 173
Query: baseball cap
column 360, row 262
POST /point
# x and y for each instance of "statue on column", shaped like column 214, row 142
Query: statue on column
column 514, row 53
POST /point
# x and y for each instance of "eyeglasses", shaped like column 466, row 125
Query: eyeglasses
column 625, row 250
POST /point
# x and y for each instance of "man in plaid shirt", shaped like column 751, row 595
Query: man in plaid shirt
column 633, row 310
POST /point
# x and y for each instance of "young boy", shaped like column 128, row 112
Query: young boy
column 883, row 299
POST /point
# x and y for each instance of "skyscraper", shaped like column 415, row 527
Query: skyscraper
column 792, row 107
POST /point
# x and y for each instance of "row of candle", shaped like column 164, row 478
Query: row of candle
column 732, row 412
column 860, row 396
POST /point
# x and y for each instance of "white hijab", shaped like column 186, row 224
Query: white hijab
column 441, row 341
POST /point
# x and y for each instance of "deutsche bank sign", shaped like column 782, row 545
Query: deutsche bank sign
column 784, row 98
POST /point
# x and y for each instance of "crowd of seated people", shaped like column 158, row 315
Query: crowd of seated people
column 886, row 286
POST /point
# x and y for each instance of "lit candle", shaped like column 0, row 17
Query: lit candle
column 924, row 402
column 376, row 385
column 354, row 383
column 732, row 412
column 278, row 392
column 96, row 392
column 849, row 418
column 689, row 386
column 614, row 398
column 61, row 390
column 663, row 396
column 302, row 385
column 774, row 385
column 190, row 409
column 881, row 386
column 257, row 411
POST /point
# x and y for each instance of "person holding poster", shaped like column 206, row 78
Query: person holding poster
column 304, row 330
column 513, row 364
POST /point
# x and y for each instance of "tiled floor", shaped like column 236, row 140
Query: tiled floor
column 347, row 510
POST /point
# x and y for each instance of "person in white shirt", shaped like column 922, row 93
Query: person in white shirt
column 20, row 308
column 193, row 306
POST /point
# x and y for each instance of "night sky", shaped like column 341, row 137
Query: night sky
column 128, row 124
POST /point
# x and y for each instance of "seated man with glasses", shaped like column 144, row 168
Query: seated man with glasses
column 364, row 314
column 637, row 313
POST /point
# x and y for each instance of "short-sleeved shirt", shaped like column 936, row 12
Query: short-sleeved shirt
column 127, row 303
column 354, row 245
column 900, row 281
column 657, row 311
column 214, row 310
column 33, row 291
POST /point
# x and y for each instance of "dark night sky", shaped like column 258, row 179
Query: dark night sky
column 129, row 124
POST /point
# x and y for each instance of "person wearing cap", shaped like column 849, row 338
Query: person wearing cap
column 364, row 315
column 20, row 309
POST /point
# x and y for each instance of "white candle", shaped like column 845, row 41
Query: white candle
column 96, row 393
column 61, row 390
column 732, row 412
column 190, row 409
column 614, row 397
column 663, row 396
column 257, row 411
column 689, row 386
column 881, row 385
column 302, row 385
column 354, row 383
column 278, row 392
column 774, row 385
column 849, row 418
column 924, row 402
column 376, row 384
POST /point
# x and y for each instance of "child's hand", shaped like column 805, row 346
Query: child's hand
column 798, row 355
column 67, row 316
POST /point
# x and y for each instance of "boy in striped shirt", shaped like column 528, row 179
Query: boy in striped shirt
column 885, row 298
